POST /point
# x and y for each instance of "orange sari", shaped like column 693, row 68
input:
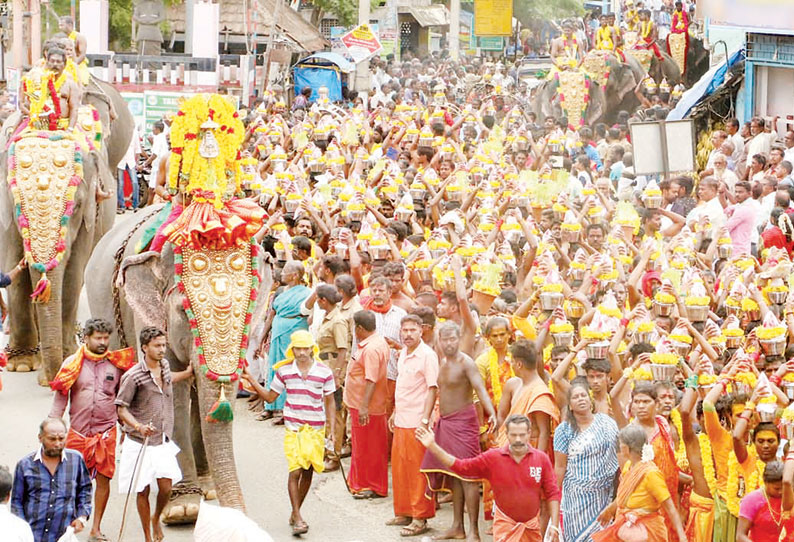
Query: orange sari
column 651, row 520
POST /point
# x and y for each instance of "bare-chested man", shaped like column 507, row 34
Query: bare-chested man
column 459, row 429
column 566, row 51
column 68, row 93
column 66, row 25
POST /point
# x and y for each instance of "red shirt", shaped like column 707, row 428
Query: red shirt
column 517, row 487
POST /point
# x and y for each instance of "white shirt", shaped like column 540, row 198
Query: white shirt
column 134, row 148
column 766, row 204
column 160, row 150
column 760, row 144
column 14, row 529
column 738, row 146
column 728, row 177
column 712, row 209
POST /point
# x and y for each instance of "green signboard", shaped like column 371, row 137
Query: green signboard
column 491, row 43
column 158, row 104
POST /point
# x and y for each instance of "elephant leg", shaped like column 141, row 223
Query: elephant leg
column 72, row 286
column 23, row 344
column 199, row 453
column 186, row 495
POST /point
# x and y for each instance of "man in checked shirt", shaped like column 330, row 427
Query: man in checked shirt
column 52, row 487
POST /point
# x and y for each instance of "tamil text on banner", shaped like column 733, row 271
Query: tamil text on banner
column 361, row 43
column 493, row 17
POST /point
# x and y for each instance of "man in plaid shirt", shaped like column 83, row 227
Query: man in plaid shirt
column 52, row 487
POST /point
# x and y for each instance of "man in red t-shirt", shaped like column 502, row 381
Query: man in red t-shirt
column 520, row 476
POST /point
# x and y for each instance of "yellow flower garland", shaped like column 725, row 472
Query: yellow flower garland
column 493, row 369
column 707, row 458
column 755, row 480
column 188, row 171
column 681, row 458
column 37, row 106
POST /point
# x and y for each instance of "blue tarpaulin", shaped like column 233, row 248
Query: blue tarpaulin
column 316, row 77
column 707, row 84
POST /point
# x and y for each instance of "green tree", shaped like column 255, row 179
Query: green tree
column 528, row 10
column 345, row 11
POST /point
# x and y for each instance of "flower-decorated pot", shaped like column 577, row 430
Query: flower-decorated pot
column 682, row 349
column 574, row 310
column 788, row 387
column 697, row 313
column 724, row 251
column 551, row 300
column 379, row 252
column 482, row 301
column 643, row 336
column 418, row 194
column 291, row 205
column 356, row 215
column 569, row 236
column 652, row 202
column 597, row 350
column 733, row 342
column 563, row 339
column 774, row 347
column 662, row 309
column 753, row 315
column 662, row 371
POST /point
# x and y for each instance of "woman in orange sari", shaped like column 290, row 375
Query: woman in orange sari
column 642, row 495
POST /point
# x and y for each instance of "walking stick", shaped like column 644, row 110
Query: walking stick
column 133, row 483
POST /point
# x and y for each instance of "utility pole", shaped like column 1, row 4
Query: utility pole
column 270, row 41
column 362, row 68
column 18, row 39
column 454, row 29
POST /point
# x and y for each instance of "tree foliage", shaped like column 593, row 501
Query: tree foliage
column 528, row 10
column 345, row 11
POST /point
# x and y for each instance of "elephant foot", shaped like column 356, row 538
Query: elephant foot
column 183, row 507
column 24, row 363
column 43, row 380
column 208, row 488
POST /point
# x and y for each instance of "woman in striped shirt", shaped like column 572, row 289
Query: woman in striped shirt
column 586, row 460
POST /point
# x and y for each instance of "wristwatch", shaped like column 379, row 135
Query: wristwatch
column 425, row 421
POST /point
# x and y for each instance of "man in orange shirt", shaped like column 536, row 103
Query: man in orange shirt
column 414, row 399
column 366, row 397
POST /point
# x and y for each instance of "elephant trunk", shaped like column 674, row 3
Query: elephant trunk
column 50, row 323
column 218, row 443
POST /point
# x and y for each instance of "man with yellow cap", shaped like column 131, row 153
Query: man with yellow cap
column 309, row 386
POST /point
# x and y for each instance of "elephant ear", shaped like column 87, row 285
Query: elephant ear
column 266, row 282
column 143, row 280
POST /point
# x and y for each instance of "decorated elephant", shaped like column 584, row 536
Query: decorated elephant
column 573, row 96
column 617, row 79
column 192, row 269
column 53, row 212
column 698, row 58
column 136, row 290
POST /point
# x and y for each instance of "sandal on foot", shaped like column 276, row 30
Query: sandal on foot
column 399, row 521
column 300, row 528
column 414, row 529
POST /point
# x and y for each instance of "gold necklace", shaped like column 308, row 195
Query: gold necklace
column 771, row 512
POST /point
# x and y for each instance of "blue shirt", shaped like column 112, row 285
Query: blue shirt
column 592, row 154
column 49, row 503
column 5, row 280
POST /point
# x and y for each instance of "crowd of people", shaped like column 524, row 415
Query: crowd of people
column 497, row 312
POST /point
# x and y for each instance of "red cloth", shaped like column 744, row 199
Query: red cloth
column 369, row 460
column 774, row 237
column 647, row 282
column 518, row 487
column 459, row 434
column 99, row 451
column 408, row 484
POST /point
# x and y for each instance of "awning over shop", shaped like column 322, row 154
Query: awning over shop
column 333, row 58
column 433, row 15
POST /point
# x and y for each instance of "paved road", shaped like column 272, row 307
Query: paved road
column 331, row 513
